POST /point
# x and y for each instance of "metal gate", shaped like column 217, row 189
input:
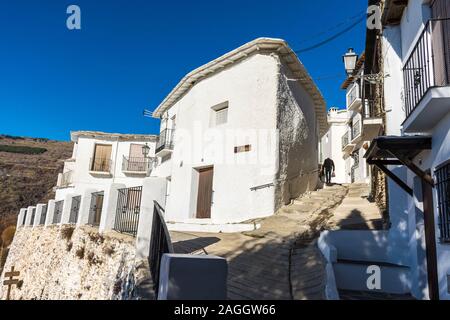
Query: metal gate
column 128, row 209
column 43, row 215
column 95, row 210
column 58, row 211
column 24, row 217
column 75, row 209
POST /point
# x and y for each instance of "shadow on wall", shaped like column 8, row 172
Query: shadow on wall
column 259, row 269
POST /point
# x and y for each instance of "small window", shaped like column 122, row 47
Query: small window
column 443, row 196
column 246, row 148
column 219, row 114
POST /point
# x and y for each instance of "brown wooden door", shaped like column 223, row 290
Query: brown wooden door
column 205, row 191
column 102, row 157
column 441, row 41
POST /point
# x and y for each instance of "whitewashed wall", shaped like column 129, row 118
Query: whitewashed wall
column 250, row 88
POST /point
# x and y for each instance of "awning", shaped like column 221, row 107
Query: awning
column 392, row 150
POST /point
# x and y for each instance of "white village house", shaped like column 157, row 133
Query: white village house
column 330, row 146
column 413, row 254
column 239, row 136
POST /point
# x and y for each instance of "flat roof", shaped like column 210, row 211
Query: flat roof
column 260, row 45
column 74, row 135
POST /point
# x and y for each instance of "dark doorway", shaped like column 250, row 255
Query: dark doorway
column 205, row 192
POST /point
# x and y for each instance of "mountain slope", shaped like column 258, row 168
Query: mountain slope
column 29, row 169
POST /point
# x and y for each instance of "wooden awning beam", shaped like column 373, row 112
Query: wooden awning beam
column 381, row 164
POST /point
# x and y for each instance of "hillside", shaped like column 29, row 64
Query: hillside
column 29, row 169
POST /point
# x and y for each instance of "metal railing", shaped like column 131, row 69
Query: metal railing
column 95, row 210
column 165, row 140
column 24, row 217
column 57, row 215
column 345, row 139
column 75, row 209
column 370, row 110
column 428, row 65
column 66, row 179
column 33, row 215
column 100, row 165
column 356, row 129
column 443, row 196
column 353, row 95
column 128, row 210
column 136, row 164
column 159, row 245
column 43, row 215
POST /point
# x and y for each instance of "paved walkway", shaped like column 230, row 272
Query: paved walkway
column 355, row 211
column 278, row 261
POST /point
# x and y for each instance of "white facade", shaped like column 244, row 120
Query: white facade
column 363, row 125
column 331, row 146
column 251, row 120
column 80, row 172
column 431, row 117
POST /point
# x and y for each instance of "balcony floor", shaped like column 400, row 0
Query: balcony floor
column 431, row 109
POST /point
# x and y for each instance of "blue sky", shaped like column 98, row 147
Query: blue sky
column 130, row 54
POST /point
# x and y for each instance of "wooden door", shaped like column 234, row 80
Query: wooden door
column 98, row 209
column 205, row 192
column 102, row 157
column 441, row 41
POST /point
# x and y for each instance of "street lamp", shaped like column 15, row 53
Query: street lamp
column 350, row 59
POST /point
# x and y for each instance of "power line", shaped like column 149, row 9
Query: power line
column 332, row 28
column 333, row 37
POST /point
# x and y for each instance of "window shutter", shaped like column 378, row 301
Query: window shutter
column 221, row 116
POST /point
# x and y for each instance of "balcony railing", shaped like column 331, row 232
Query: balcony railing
column 136, row 164
column 353, row 95
column 66, row 179
column 345, row 140
column 371, row 110
column 165, row 140
column 429, row 63
column 100, row 165
column 356, row 129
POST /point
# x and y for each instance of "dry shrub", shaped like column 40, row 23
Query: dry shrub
column 80, row 253
column 109, row 250
column 93, row 259
column 8, row 236
column 67, row 233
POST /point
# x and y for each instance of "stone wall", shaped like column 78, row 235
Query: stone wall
column 67, row 263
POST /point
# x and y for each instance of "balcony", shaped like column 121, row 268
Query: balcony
column 165, row 143
column 137, row 165
column 99, row 166
column 347, row 147
column 65, row 179
column 427, row 78
column 354, row 98
column 372, row 120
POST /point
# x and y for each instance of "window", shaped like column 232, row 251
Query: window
column 443, row 195
column 101, row 162
column 219, row 114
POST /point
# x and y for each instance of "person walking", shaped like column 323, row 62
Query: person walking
column 329, row 169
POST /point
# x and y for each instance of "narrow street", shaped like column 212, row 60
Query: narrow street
column 281, row 260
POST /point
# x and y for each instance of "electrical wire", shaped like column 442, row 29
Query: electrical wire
column 333, row 37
